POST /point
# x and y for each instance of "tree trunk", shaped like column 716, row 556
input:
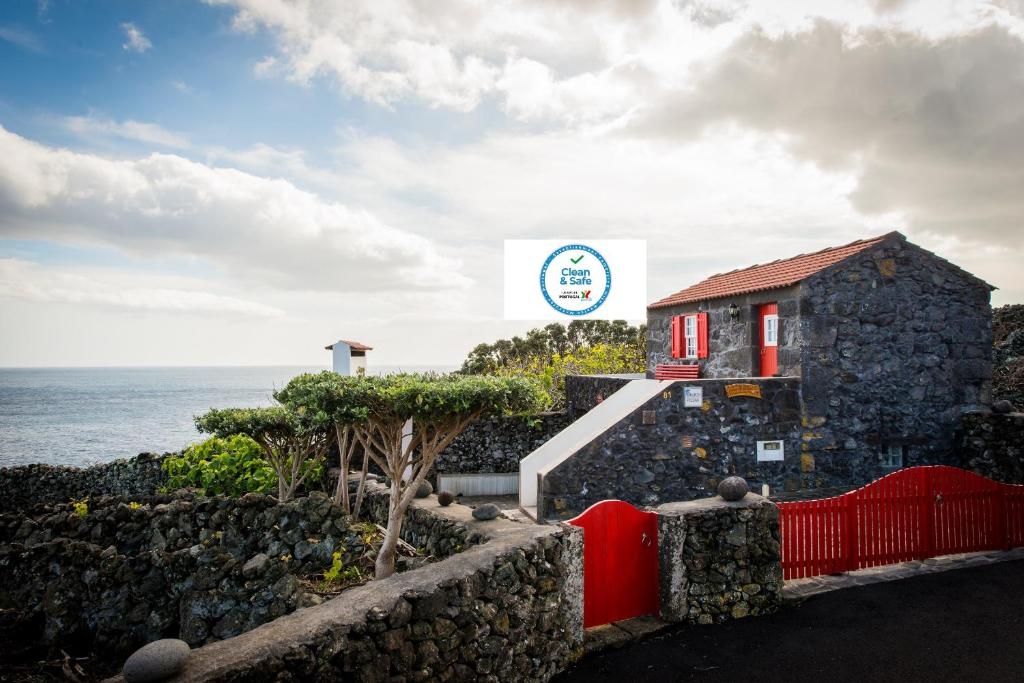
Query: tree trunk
column 362, row 487
column 385, row 564
column 341, row 493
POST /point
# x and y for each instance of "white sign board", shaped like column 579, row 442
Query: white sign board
column 768, row 451
column 693, row 397
column 570, row 279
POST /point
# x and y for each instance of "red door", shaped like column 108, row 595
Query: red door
column 620, row 562
column 769, row 339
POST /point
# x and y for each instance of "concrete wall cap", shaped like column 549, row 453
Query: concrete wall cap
column 713, row 502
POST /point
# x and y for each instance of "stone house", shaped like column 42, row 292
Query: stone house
column 891, row 343
column 825, row 370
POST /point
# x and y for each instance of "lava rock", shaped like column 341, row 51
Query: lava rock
column 486, row 511
column 156, row 661
column 1003, row 407
column 424, row 489
column 445, row 498
column 733, row 488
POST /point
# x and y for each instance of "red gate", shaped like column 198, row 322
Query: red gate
column 911, row 514
column 620, row 562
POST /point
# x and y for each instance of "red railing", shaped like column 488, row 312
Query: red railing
column 911, row 514
column 675, row 371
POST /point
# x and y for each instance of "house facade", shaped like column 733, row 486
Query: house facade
column 892, row 344
column 825, row 370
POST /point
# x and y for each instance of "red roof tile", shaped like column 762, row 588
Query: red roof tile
column 774, row 275
column 356, row 346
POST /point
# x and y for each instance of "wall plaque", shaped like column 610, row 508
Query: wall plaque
column 770, row 451
column 693, row 397
column 751, row 390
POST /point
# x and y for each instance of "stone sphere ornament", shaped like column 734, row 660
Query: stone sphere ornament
column 733, row 488
column 1003, row 407
column 157, row 661
column 445, row 498
column 486, row 511
column 425, row 489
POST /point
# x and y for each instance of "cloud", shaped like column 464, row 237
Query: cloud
column 26, row 281
column 262, row 230
column 182, row 87
column 932, row 128
column 137, row 40
column 90, row 126
column 21, row 37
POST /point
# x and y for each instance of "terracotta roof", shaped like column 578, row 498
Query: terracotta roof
column 774, row 275
column 356, row 346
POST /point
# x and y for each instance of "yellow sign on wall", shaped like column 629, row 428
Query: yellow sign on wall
column 751, row 390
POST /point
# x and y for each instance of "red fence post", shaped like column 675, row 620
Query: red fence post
column 927, row 514
column 851, row 537
column 1001, row 539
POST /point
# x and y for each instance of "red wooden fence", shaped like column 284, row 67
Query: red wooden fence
column 620, row 562
column 911, row 514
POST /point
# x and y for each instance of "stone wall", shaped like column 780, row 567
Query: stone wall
column 665, row 451
column 509, row 609
column 134, row 570
column 583, row 392
column 437, row 535
column 498, row 444
column 897, row 345
column 993, row 445
column 26, row 485
column 733, row 343
column 719, row 560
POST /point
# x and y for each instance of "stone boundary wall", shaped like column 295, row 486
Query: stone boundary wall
column 134, row 570
column 682, row 452
column 993, row 445
column 25, row 485
column 719, row 560
column 509, row 609
column 439, row 535
column 583, row 392
column 497, row 444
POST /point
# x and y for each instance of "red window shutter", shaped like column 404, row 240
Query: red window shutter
column 676, row 323
column 702, row 335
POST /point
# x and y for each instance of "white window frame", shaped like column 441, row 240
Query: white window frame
column 892, row 456
column 771, row 330
column 689, row 336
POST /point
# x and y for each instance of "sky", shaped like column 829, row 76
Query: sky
column 242, row 182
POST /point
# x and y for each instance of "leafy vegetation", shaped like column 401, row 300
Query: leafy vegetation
column 440, row 406
column 554, row 339
column 550, row 353
column 293, row 443
column 81, row 507
column 550, row 372
column 316, row 397
column 232, row 465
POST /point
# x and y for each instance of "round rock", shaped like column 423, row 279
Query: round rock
column 445, row 498
column 156, row 661
column 733, row 488
column 486, row 511
column 1002, row 406
column 424, row 489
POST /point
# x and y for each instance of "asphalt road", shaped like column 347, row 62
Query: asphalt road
column 962, row 625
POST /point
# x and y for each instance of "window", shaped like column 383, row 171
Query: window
column 771, row 330
column 892, row 457
column 690, row 334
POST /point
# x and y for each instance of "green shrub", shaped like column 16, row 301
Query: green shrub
column 234, row 465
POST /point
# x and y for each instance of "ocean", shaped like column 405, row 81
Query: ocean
column 84, row 416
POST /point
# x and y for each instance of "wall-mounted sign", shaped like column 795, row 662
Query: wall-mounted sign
column 693, row 397
column 769, row 451
column 751, row 390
